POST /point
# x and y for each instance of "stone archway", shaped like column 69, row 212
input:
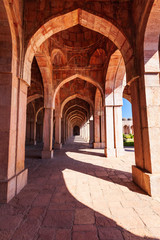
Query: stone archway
column 87, row 20
column 73, row 97
column 85, row 78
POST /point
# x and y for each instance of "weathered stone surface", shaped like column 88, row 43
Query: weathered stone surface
column 77, row 57
column 71, row 197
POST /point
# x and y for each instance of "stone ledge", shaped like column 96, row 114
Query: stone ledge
column 150, row 183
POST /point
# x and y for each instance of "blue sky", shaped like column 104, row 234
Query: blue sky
column 126, row 109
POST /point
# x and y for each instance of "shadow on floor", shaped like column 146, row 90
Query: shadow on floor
column 47, row 211
column 129, row 149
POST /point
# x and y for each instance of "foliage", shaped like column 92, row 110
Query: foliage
column 128, row 136
column 128, row 140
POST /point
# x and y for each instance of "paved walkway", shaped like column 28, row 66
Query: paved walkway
column 80, row 195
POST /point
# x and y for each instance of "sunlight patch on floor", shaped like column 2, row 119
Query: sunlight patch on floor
column 78, row 156
column 106, row 198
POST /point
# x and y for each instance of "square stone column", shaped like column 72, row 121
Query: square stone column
column 109, row 131
column 102, row 128
column 47, row 134
column 63, row 130
column 97, row 143
column 145, row 95
column 35, row 132
column 13, row 175
column 58, row 144
column 91, row 125
column 118, row 133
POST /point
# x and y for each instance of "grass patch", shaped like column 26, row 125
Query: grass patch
column 128, row 140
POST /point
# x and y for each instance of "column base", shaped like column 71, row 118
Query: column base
column 150, row 183
column 109, row 152
column 119, row 152
column 47, row 154
column 57, row 145
column 10, row 187
column 97, row 145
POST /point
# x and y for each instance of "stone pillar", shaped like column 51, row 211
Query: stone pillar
column 109, row 132
column 87, row 128
column 63, row 130
column 71, row 131
column 82, row 131
column 58, row 143
column 34, row 132
column 47, row 134
column 13, row 175
column 118, row 133
column 98, row 131
column 91, row 125
column 21, row 172
column 96, row 143
column 102, row 129
column 85, row 131
column 146, row 119
column 66, row 129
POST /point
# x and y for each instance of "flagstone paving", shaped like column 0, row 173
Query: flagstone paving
column 80, row 195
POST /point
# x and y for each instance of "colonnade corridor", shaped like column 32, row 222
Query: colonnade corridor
column 80, row 195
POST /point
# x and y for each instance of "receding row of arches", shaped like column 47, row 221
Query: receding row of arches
column 75, row 95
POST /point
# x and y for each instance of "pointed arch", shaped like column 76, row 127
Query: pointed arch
column 73, row 97
column 87, row 20
column 115, row 79
column 85, row 78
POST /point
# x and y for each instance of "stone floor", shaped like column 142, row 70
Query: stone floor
column 80, row 195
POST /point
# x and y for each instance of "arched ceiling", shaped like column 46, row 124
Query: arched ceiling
column 77, row 86
column 77, row 102
column 76, row 37
column 76, row 111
